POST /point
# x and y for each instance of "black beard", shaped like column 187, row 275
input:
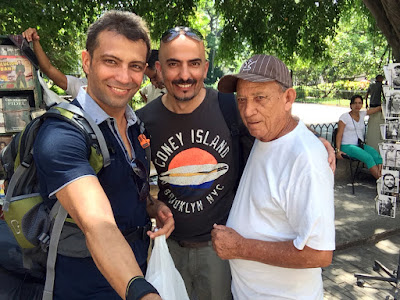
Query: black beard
column 181, row 81
column 183, row 99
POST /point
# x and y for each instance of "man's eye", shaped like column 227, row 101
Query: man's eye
column 260, row 98
column 110, row 62
column 137, row 67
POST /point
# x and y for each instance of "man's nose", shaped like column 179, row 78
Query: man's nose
column 123, row 75
column 248, row 108
column 184, row 72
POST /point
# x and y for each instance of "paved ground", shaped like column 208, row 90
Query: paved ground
column 317, row 113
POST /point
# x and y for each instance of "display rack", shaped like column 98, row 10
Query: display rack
column 388, row 184
column 20, row 90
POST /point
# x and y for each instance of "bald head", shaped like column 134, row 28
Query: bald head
column 182, row 40
column 183, row 66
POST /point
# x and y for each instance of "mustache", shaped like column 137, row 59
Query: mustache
column 181, row 81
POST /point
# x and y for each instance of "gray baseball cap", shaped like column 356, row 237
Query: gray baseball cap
column 259, row 68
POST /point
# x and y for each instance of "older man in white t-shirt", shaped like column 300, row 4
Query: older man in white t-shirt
column 280, row 230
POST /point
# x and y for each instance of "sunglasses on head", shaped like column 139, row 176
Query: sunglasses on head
column 141, row 180
column 173, row 33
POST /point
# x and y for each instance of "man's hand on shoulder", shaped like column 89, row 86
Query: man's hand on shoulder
column 163, row 215
column 331, row 153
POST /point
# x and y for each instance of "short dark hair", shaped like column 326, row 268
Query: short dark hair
column 152, row 59
column 125, row 23
column 378, row 77
column 389, row 174
column 354, row 97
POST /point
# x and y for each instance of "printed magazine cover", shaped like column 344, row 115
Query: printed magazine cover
column 16, row 112
column 15, row 70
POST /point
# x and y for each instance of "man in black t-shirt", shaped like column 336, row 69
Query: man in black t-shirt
column 192, row 151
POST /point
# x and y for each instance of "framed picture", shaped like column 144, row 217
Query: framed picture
column 394, row 80
column 15, row 70
column 393, row 104
column 16, row 112
column 388, row 153
column 390, row 182
column 386, row 206
column 390, row 130
column 388, row 74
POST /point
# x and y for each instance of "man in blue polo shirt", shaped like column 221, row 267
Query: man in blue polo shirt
column 114, row 202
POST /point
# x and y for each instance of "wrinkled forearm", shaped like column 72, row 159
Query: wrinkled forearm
column 283, row 254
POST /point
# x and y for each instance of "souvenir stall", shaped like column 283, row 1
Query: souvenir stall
column 388, row 183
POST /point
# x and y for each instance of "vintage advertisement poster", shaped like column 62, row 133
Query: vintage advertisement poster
column 15, row 70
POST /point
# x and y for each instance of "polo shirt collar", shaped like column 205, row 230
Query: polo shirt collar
column 97, row 113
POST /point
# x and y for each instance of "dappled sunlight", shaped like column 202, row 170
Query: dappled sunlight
column 387, row 247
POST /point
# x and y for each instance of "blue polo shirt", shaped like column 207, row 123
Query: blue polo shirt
column 61, row 155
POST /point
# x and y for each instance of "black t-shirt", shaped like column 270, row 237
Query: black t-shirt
column 193, row 157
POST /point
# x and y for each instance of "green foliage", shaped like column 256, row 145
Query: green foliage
column 351, row 85
column 326, row 40
column 277, row 27
column 341, row 89
column 358, row 48
column 61, row 26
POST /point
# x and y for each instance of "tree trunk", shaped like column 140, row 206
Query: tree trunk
column 387, row 16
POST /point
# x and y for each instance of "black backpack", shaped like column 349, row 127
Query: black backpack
column 242, row 141
column 36, row 228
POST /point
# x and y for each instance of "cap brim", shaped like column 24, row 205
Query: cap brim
column 227, row 84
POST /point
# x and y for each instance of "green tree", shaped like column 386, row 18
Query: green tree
column 286, row 28
column 386, row 14
column 357, row 48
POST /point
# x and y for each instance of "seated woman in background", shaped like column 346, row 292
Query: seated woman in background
column 351, row 128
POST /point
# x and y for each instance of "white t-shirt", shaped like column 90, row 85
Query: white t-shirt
column 74, row 84
column 285, row 194
column 350, row 137
column 151, row 93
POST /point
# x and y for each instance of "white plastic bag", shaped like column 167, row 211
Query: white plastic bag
column 163, row 275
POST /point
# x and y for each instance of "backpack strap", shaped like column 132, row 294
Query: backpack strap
column 228, row 107
column 24, row 163
column 61, row 215
column 95, row 128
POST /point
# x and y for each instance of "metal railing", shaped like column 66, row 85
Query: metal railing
column 325, row 130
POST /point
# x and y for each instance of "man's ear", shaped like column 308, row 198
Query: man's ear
column 86, row 59
column 290, row 97
column 158, row 67
column 206, row 65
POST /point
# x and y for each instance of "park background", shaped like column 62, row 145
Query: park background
column 334, row 48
